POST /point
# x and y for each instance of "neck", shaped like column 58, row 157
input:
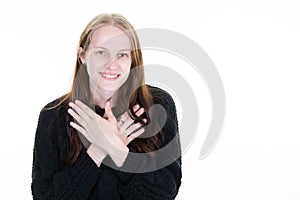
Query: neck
column 100, row 97
column 100, row 101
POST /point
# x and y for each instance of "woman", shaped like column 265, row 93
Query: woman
column 82, row 151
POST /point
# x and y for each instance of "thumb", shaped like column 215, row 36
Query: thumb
column 108, row 112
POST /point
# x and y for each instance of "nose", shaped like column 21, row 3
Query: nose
column 113, row 63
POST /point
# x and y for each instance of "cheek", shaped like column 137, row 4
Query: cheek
column 126, row 71
column 91, row 71
column 126, row 66
column 92, row 66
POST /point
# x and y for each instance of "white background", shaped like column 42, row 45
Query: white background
column 254, row 45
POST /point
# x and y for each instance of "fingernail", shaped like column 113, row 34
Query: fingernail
column 71, row 103
column 135, row 108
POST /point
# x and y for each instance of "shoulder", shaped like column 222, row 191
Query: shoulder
column 51, row 127
column 57, row 103
column 161, row 96
column 53, row 111
column 164, row 99
column 166, row 118
column 51, row 137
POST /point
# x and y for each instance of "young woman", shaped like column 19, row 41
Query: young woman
column 102, row 140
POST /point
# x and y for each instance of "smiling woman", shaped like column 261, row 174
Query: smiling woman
column 85, row 139
column 108, row 55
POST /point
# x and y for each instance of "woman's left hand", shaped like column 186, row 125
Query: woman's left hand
column 128, row 129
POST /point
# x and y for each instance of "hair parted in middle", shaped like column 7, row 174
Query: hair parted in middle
column 132, row 92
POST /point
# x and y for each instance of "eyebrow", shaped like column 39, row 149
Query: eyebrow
column 101, row 47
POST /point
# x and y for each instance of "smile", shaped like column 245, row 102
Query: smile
column 109, row 76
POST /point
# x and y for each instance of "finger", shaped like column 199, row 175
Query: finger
column 126, row 123
column 78, row 118
column 125, row 115
column 78, row 128
column 136, row 107
column 84, row 107
column 133, row 128
column 79, row 111
column 129, row 121
column 122, row 119
column 121, row 124
column 134, row 135
column 109, row 114
column 140, row 112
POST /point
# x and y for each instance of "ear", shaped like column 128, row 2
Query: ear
column 81, row 55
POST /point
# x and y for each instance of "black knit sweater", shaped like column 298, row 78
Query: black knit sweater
column 52, row 179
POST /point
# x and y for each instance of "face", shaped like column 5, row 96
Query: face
column 108, row 60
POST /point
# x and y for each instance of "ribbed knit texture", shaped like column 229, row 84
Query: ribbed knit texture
column 52, row 179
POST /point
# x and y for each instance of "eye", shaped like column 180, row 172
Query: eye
column 102, row 53
column 123, row 55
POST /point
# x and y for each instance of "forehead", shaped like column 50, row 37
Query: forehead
column 110, row 37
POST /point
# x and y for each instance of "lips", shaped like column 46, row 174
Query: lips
column 109, row 76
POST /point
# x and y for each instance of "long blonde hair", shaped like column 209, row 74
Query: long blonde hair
column 134, row 85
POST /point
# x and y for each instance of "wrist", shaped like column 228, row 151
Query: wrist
column 96, row 154
column 119, row 155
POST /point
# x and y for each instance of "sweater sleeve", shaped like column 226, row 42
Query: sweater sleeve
column 49, row 179
column 164, row 183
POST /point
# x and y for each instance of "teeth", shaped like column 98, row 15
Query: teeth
column 109, row 75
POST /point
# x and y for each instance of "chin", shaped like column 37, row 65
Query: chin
column 106, row 91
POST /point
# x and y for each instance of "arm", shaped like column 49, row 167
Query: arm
column 51, row 180
column 164, row 183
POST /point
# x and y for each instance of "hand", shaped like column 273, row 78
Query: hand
column 99, row 131
column 104, row 133
column 128, row 130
